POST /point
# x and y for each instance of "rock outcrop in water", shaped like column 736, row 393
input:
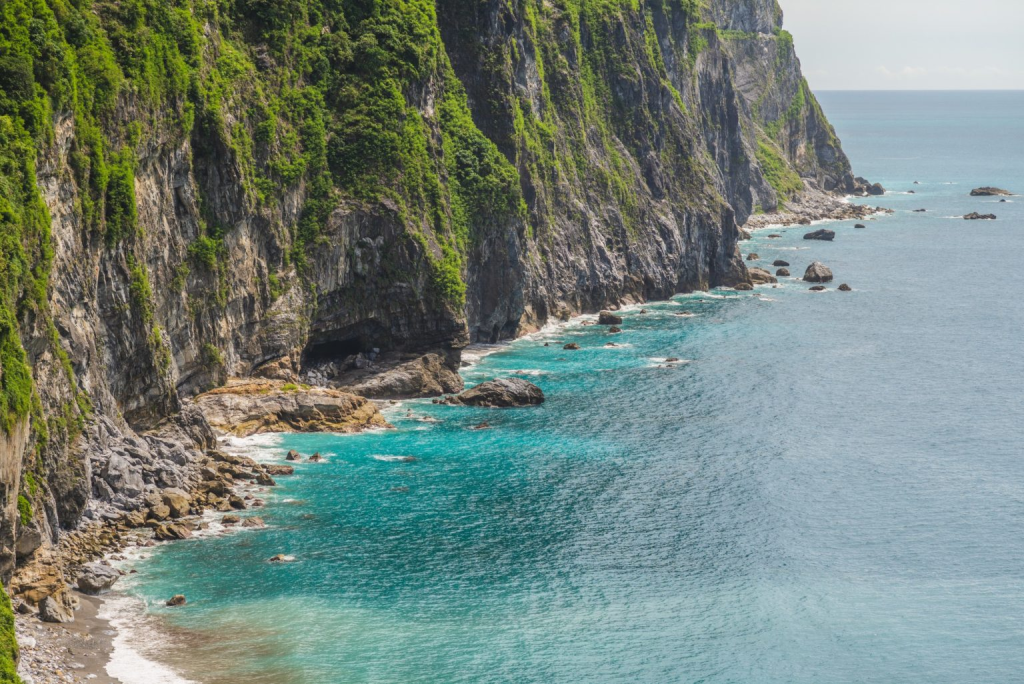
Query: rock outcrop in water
column 975, row 216
column 268, row 190
column 818, row 273
column 501, row 393
column 990, row 192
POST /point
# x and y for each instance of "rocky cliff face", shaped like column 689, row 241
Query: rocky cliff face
column 195, row 190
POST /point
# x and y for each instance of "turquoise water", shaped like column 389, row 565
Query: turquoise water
column 831, row 489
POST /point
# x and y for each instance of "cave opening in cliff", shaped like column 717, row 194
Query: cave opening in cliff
column 326, row 351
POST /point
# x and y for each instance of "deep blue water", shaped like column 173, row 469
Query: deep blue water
column 831, row 490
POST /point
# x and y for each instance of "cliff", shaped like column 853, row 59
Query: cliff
column 194, row 190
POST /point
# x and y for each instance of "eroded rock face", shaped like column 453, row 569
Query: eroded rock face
column 501, row 393
column 245, row 408
column 818, row 273
column 430, row 375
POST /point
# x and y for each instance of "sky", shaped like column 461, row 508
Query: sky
column 909, row 44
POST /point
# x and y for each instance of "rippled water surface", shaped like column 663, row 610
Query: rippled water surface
column 830, row 488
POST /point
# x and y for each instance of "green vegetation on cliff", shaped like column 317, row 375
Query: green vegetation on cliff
column 8, row 643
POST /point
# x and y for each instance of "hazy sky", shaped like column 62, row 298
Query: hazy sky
column 909, row 44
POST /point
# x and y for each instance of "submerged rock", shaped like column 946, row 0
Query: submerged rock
column 614, row 329
column 316, row 458
column 572, row 346
column 818, row 288
column 780, row 262
column 818, row 273
column 753, row 256
column 743, row 287
column 177, row 600
column 823, row 234
column 501, row 393
column 860, row 225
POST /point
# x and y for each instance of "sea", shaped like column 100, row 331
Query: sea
column 824, row 488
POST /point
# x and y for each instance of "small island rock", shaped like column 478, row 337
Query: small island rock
column 990, row 192
column 500, row 393
column 823, row 234
column 975, row 216
column 608, row 318
column 818, row 273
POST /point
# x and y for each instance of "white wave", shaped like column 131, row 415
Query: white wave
column 127, row 615
column 532, row 372
column 390, row 458
column 475, row 353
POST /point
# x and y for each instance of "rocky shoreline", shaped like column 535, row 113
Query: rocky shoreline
column 208, row 479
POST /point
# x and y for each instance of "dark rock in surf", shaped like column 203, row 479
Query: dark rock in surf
column 990, row 192
column 782, row 273
column 500, row 393
column 845, row 288
column 975, row 216
column 608, row 318
column 823, row 234
column 780, row 262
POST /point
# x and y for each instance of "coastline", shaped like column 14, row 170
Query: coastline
column 98, row 643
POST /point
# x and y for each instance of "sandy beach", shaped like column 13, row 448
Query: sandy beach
column 75, row 652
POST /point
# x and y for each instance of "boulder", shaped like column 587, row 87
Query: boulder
column 990, row 192
column 608, row 318
column 254, row 522
column 753, row 256
column 177, row 501
column 845, row 288
column 823, row 234
column 780, row 262
column 860, row 225
column 572, row 346
column 501, row 393
column 279, row 470
column 231, row 519
column 975, row 216
column 177, row 600
column 614, row 329
column 264, row 480
column 96, row 577
column 783, row 273
column 743, row 287
column 818, row 288
column 171, row 531
column 759, row 276
column 293, row 455
column 52, row 609
column 818, row 273
column 876, row 189
column 316, row 458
